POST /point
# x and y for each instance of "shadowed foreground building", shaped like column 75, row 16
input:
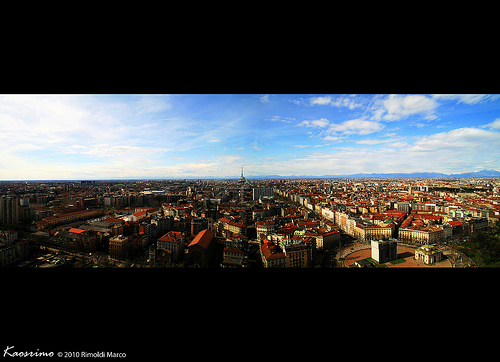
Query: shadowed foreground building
column 9, row 210
column 271, row 254
column 119, row 247
column 232, row 257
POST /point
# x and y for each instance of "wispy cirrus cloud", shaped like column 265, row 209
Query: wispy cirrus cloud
column 467, row 98
column 153, row 103
column 282, row 119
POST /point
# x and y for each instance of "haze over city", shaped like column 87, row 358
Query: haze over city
column 68, row 137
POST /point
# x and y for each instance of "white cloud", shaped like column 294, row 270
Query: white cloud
column 38, row 118
column 187, row 169
column 282, row 119
column 356, row 126
column 322, row 122
column 348, row 102
column 320, row 100
column 224, row 159
column 332, row 138
column 397, row 107
column 371, row 142
column 494, row 125
column 455, row 151
column 467, row 140
column 397, row 144
column 318, row 123
column 299, row 102
column 63, row 120
column 264, row 98
column 392, row 140
column 339, row 101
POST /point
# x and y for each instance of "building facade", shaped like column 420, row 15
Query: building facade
column 428, row 254
column 198, row 224
column 262, row 191
column 297, row 255
column 264, row 228
column 425, row 235
column 232, row 257
column 380, row 231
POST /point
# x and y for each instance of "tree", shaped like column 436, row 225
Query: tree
column 483, row 246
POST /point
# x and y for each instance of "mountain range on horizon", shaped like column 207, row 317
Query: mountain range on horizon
column 482, row 173
column 473, row 174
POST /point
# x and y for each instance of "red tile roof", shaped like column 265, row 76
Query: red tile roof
column 233, row 249
column 76, row 231
column 203, row 238
column 168, row 239
column 240, row 225
column 112, row 219
column 171, row 236
column 271, row 251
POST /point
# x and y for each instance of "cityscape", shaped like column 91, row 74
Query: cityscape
column 250, row 223
column 249, row 181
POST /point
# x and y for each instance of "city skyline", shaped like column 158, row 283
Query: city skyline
column 181, row 136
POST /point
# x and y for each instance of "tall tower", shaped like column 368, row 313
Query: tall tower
column 242, row 187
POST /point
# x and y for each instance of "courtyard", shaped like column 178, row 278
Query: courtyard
column 404, row 252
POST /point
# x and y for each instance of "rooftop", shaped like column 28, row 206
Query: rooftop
column 169, row 239
column 203, row 238
column 76, row 231
column 428, row 249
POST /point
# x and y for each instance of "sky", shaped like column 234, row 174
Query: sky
column 72, row 137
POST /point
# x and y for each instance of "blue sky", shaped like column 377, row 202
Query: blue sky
column 146, row 136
